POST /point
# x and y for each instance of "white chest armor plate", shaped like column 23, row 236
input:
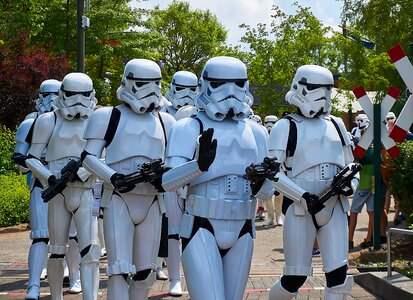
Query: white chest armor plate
column 237, row 149
column 318, row 143
column 136, row 136
column 66, row 139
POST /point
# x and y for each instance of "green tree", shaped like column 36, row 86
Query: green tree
column 276, row 53
column 386, row 23
column 186, row 38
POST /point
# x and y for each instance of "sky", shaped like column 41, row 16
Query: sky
column 231, row 13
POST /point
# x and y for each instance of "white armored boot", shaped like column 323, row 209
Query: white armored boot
column 55, row 277
column 36, row 260
column 173, row 262
column 73, row 263
column 89, row 273
column 139, row 290
column 339, row 292
column 277, row 292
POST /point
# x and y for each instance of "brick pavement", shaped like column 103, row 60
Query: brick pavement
column 266, row 268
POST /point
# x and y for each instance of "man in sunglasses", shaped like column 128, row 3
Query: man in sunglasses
column 313, row 147
column 60, row 132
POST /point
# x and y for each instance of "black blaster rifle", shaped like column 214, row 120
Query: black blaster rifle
column 69, row 173
column 341, row 181
column 148, row 172
column 265, row 170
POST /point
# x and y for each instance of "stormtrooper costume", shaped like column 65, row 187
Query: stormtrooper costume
column 38, row 209
column 37, row 260
column 61, row 132
column 181, row 94
column 217, row 228
column 131, row 134
column 274, row 204
column 312, row 154
column 362, row 122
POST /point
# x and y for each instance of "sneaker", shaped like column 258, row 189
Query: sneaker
column 350, row 245
column 175, row 289
column 316, row 252
column 160, row 275
column 43, row 275
column 76, row 287
column 366, row 244
column 268, row 222
column 103, row 252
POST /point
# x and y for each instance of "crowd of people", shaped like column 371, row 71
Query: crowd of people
column 178, row 178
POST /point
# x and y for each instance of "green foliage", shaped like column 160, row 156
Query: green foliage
column 401, row 179
column 14, row 199
column 276, row 53
column 386, row 23
column 7, row 145
column 186, row 38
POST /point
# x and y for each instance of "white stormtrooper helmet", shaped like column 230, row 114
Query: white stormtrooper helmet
column 311, row 90
column 76, row 96
column 49, row 91
column 183, row 89
column 362, row 121
column 141, row 86
column 269, row 122
column 224, row 89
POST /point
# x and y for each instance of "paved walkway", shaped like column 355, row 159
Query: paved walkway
column 266, row 268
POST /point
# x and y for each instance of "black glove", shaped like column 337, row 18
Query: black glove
column 313, row 206
column 118, row 181
column 207, row 149
column 52, row 180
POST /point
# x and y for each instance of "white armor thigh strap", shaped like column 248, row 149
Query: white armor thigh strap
column 118, row 230
column 83, row 220
column 237, row 264
column 203, row 268
column 298, row 236
column 333, row 240
column 146, row 239
column 59, row 219
column 38, row 215
column 174, row 210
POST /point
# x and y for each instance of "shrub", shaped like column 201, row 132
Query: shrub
column 7, row 145
column 401, row 179
column 14, row 199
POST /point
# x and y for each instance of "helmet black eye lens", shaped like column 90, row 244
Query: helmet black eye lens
column 49, row 93
column 140, row 83
column 70, row 93
column 216, row 84
column 311, row 87
column 193, row 89
column 179, row 88
column 240, row 83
